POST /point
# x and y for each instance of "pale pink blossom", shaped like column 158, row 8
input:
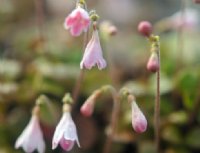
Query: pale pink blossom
column 93, row 53
column 139, row 121
column 31, row 138
column 188, row 19
column 77, row 21
column 65, row 133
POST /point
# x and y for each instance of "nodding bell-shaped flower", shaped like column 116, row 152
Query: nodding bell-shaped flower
column 77, row 21
column 93, row 53
column 31, row 138
column 153, row 63
column 139, row 121
column 65, row 133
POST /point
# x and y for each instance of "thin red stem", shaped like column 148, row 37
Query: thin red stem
column 157, row 109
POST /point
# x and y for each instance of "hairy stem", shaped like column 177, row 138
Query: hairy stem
column 157, row 108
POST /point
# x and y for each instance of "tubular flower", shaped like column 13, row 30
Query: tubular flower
column 139, row 121
column 93, row 53
column 65, row 133
column 77, row 21
column 32, row 137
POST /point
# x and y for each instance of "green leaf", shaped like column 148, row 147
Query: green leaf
column 172, row 134
column 192, row 138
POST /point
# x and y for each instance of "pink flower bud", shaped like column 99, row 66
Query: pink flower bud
column 93, row 53
column 88, row 107
column 77, row 21
column 153, row 63
column 145, row 28
column 139, row 121
column 112, row 30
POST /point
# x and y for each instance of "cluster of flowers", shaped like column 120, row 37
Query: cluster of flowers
column 65, row 133
column 79, row 21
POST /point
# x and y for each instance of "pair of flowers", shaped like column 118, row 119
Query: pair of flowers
column 65, row 134
column 78, row 21
column 139, row 121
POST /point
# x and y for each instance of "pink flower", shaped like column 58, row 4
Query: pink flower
column 153, row 63
column 31, row 138
column 189, row 19
column 77, row 21
column 65, row 133
column 139, row 121
column 145, row 28
column 93, row 53
column 88, row 107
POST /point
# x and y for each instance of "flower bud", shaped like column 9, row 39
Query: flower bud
column 145, row 28
column 88, row 107
column 139, row 121
column 153, row 63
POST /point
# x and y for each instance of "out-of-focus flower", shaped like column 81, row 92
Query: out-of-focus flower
column 65, row 133
column 196, row 1
column 145, row 28
column 139, row 121
column 108, row 28
column 93, row 53
column 77, row 21
column 32, row 137
column 153, row 63
column 188, row 19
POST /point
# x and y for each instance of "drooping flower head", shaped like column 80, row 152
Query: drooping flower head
column 93, row 53
column 65, row 133
column 77, row 21
column 139, row 121
column 31, row 138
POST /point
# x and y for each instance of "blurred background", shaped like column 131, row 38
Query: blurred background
column 38, row 56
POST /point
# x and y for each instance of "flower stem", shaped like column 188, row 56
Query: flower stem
column 116, row 104
column 114, row 118
column 79, row 80
column 180, row 38
column 39, row 8
column 157, row 108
